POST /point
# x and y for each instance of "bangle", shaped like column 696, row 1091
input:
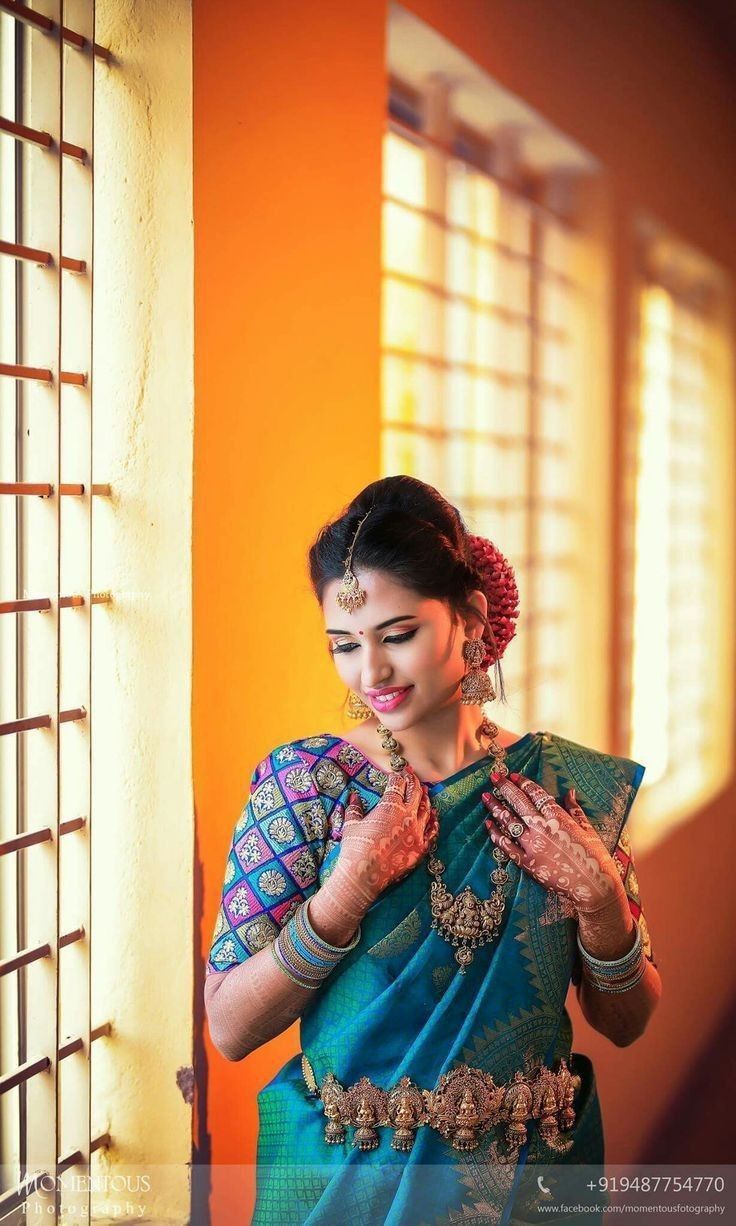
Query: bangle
column 303, row 955
column 302, row 917
column 614, row 964
column 280, row 962
column 609, row 986
column 615, row 974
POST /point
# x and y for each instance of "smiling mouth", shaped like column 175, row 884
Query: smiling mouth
column 384, row 702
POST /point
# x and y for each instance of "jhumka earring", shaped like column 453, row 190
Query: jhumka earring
column 356, row 708
column 476, row 685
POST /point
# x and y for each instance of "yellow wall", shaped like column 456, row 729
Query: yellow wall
column 142, row 825
column 289, row 108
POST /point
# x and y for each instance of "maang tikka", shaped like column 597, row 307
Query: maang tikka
column 350, row 594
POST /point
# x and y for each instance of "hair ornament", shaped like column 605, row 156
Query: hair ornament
column 500, row 589
column 350, row 595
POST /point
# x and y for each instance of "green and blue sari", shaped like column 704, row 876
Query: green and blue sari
column 398, row 1004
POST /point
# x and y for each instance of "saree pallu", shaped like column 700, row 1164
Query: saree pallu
column 398, row 1005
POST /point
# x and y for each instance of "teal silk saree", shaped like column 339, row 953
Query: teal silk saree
column 398, row 1005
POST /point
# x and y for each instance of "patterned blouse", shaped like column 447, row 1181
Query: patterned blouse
column 288, row 827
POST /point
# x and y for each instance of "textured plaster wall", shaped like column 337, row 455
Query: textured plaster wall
column 142, row 816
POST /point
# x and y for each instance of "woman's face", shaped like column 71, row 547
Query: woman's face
column 421, row 648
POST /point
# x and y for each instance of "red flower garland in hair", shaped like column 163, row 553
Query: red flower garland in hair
column 499, row 587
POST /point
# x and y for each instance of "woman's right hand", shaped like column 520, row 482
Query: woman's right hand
column 381, row 847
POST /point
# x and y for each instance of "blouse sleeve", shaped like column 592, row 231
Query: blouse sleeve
column 623, row 856
column 272, row 865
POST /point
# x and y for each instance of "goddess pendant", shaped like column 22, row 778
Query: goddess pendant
column 466, row 920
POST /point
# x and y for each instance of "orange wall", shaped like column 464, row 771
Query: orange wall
column 289, row 104
column 289, row 101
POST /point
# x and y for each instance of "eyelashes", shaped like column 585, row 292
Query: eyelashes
column 348, row 647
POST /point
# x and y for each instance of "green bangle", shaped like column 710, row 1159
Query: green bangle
column 332, row 949
column 300, row 983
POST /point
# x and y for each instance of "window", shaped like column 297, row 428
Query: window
column 490, row 304
column 46, row 609
column 680, row 500
column 113, row 571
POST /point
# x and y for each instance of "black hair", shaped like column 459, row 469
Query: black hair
column 413, row 534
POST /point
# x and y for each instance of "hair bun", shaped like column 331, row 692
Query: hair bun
column 498, row 583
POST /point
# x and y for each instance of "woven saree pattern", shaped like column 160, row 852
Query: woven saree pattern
column 397, row 1007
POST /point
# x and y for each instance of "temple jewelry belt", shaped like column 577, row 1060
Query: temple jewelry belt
column 463, row 1105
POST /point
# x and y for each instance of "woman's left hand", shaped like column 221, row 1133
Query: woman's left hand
column 558, row 846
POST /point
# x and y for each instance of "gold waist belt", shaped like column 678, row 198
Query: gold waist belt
column 463, row 1105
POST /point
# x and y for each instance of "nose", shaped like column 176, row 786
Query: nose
column 376, row 671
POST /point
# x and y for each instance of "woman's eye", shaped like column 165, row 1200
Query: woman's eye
column 398, row 638
column 401, row 638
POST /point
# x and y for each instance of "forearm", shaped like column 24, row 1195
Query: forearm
column 621, row 1016
column 255, row 1001
column 332, row 916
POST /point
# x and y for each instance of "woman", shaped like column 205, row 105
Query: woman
column 421, row 900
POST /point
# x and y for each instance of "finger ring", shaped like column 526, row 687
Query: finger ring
column 516, row 829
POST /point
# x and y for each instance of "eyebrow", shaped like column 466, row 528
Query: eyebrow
column 381, row 625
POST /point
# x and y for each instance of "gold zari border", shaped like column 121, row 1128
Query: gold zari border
column 463, row 1105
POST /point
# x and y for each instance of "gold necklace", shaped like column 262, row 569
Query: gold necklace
column 465, row 921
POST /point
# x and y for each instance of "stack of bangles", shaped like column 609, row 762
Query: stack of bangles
column 619, row 974
column 304, row 956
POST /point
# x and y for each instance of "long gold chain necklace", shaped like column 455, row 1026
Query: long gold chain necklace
column 464, row 920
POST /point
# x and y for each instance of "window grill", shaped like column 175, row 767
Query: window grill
column 47, row 492
column 479, row 326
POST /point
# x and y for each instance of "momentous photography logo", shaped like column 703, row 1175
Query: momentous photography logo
column 109, row 1195
column 94, row 1183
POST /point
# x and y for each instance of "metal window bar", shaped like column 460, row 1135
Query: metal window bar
column 419, row 436
column 46, row 498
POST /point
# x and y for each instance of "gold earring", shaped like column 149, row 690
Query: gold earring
column 356, row 708
column 476, row 685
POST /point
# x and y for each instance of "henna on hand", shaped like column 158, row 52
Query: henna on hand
column 559, row 847
column 383, row 846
